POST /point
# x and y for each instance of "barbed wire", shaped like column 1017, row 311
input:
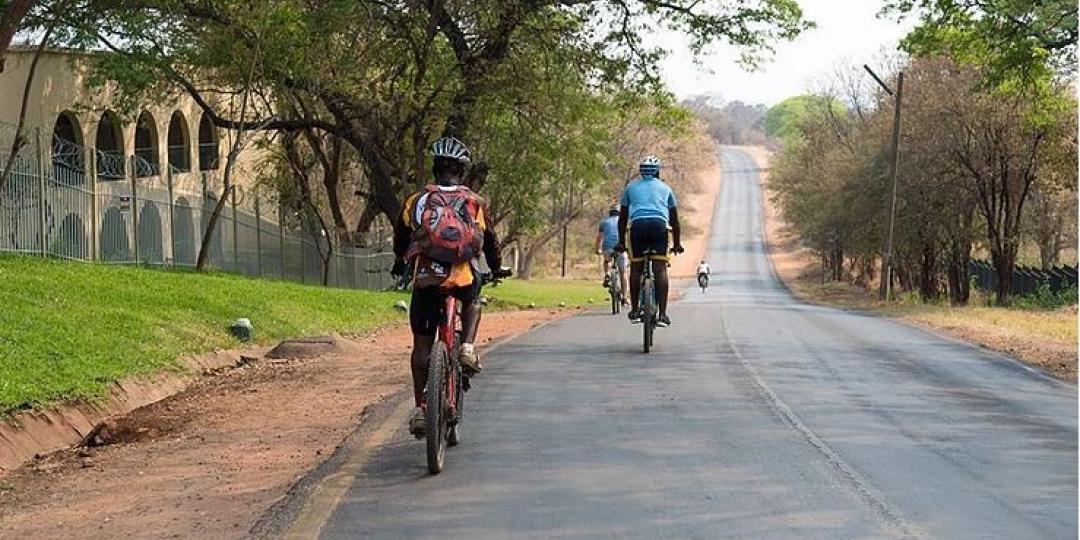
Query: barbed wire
column 110, row 165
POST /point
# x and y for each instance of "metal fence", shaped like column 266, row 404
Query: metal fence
column 68, row 201
column 1026, row 279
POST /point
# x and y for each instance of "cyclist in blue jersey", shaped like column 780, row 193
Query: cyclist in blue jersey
column 607, row 237
column 647, row 209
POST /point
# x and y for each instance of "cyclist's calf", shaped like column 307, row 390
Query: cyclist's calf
column 660, row 274
column 418, row 362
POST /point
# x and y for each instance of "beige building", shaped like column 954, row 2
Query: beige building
column 102, row 162
column 98, row 183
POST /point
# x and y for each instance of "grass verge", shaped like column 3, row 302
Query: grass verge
column 547, row 293
column 68, row 330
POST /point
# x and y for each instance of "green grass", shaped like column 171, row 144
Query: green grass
column 68, row 330
column 547, row 293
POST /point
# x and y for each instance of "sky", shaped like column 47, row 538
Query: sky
column 848, row 32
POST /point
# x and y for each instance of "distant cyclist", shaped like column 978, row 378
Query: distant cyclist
column 703, row 274
column 647, row 209
column 440, row 233
column 607, row 238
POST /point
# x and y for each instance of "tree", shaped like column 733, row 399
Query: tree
column 1009, row 37
column 391, row 77
column 733, row 123
column 974, row 157
column 1051, row 221
column 782, row 120
column 12, row 13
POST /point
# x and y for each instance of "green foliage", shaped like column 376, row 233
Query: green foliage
column 1014, row 39
column 1044, row 298
column 389, row 78
column 783, row 120
column 549, row 293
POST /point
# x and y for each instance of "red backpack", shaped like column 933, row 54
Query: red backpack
column 447, row 230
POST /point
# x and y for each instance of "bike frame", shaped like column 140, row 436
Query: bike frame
column 447, row 334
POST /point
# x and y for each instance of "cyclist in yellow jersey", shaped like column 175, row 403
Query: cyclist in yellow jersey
column 433, row 279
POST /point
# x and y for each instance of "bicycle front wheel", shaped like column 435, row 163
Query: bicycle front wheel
column 436, row 414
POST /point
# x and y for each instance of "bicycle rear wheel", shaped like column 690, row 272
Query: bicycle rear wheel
column 436, row 413
column 648, row 314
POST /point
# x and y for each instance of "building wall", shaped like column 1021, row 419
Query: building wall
column 60, row 86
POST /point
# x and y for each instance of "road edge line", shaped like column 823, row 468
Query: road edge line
column 319, row 492
column 863, row 488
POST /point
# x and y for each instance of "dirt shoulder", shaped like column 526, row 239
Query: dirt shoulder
column 1043, row 339
column 207, row 462
column 696, row 215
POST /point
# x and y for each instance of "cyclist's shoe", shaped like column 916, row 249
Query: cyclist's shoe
column 635, row 316
column 470, row 361
column 417, row 424
column 607, row 281
column 663, row 321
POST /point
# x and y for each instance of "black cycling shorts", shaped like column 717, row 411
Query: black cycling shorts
column 427, row 306
column 646, row 234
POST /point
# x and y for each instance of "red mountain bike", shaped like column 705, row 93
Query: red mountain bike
column 446, row 382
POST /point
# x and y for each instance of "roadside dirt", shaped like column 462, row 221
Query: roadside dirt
column 206, row 462
column 698, row 218
column 1020, row 334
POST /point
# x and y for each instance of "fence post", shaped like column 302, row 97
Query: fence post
column 92, row 160
column 258, row 237
column 203, row 218
column 281, row 238
column 172, row 221
column 303, row 255
column 42, row 209
column 134, row 205
column 235, row 251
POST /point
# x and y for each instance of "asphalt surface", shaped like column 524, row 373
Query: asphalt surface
column 756, row 416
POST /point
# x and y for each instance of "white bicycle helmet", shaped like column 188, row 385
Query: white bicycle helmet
column 650, row 165
column 451, row 148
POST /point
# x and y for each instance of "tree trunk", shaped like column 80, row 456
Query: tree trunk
column 838, row 262
column 928, row 282
column 227, row 188
column 364, row 223
column 526, row 262
column 1050, row 245
column 957, row 270
column 10, row 21
column 215, row 216
column 1004, row 259
column 20, row 138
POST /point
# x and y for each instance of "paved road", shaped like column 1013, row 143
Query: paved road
column 756, row 416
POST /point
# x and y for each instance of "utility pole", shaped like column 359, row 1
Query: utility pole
column 885, row 292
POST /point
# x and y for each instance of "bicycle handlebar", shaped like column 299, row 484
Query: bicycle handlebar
column 495, row 277
column 487, row 278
